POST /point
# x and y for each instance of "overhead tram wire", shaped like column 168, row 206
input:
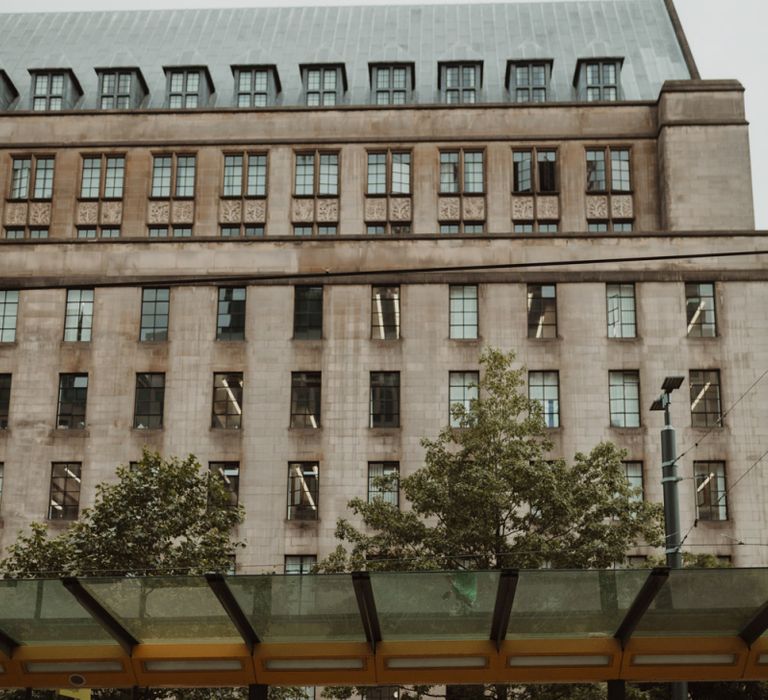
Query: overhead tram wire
column 13, row 283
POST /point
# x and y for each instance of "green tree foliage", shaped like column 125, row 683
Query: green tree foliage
column 490, row 496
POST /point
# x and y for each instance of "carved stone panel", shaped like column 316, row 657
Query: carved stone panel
column 375, row 209
column 40, row 214
column 622, row 207
column 327, row 210
column 400, row 209
column 159, row 212
column 183, row 212
column 473, row 208
column 448, row 209
column 111, row 213
column 16, row 213
column 548, row 208
column 255, row 211
column 230, row 211
column 87, row 213
column 597, row 207
column 522, row 209
column 303, row 210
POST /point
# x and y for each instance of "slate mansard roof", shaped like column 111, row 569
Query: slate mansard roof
column 639, row 31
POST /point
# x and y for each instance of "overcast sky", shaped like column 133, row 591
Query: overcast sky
column 727, row 38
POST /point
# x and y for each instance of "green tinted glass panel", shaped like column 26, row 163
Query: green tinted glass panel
column 44, row 612
column 705, row 602
column 435, row 605
column 162, row 610
column 300, row 608
column 554, row 603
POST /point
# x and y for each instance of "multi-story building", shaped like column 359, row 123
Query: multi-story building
column 279, row 239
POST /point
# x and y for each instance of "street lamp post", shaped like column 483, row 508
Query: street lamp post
column 669, row 480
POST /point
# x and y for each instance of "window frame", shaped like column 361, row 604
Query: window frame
column 388, row 468
column 618, row 324
column 512, row 80
column 340, row 81
column 632, row 478
column 8, row 330
column 232, row 331
column 272, row 89
column 706, row 492
column 135, row 95
column 454, row 312
column 306, row 393
column 72, row 482
column 6, row 386
column 535, row 170
column 387, row 331
column 443, row 68
column 316, row 184
column 72, row 404
column 554, row 414
column 700, row 382
column 608, row 180
column 461, row 171
column 154, row 315
column 34, row 191
column 229, row 473
column 70, row 94
column 380, row 386
column 469, row 391
column 389, row 172
column 691, row 316
column 154, row 394
column 260, row 179
column 205, row 88
column 297, row 508
column 541, row 327
column 390, row 68
column 583, row 66
column 620, row 385
column 103, row 176
column 230, row 418
column 173, row 181
column 308, row 330
column 83, row 329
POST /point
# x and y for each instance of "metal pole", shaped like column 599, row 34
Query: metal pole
column 617, row 690
column 669, row 480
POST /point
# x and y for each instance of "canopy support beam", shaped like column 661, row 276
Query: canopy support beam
column 258, row 692
column 505, row 597
column 361, row 581
column 656, row 579
column 240, row 620
column 756, row 627
column 99, row 613
column 617, row 690
column 7, row 645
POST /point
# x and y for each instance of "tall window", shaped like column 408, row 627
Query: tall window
column 230, row 319
column 462, row 390
column 544, row 387
column 385, row 400
column 317, row 174
column 32, row 177
column 155, row 307
column 73, row 396
column 599, row 174
column 229, row 473
column 542, row 311
column 9, row 309
column 5, row 399
column 150, row 399
column 700, row 309
column 711, row 491
column 103, row 176
column 463, row 311
column 384, row 482
column 462, row 171
column 601, row 80
column 392, row 84
column 634, row 473
column 256, row 86
column 531, row 81
column 308, row 313
column 173, row 174
column 303, row 490
column 253, row 166
column 305, row 399
column 527, row 178
column 385, row 313
column 227, row 400
column 389, row 172
column 78, row 319
column 620, row 301
column 65, row 491
column 460, row 82
column 624, row 388
column 323, row 85
column 187, row 88
column 299, row 564
column 705, row 398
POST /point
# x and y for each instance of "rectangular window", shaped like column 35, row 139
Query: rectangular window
column 53, row 92
column 256, row 185
column 634, row 473
column 377, row 173
column 298, row 564
column 150, row 398
column 163, row 180
column 385, row 400
column 601, row 79
column 392, row 84
column 308, row 313
column 78, row 319
column 227, row 400
column 449, row 172
column 184, row 89
column 185, row 176
column 385, row 313
column 42, row 178
column 329, row 174
column 254, row 166
column 542, row 311
column 621, row 313
column 711, row 491
column 305, row 174
column 9, row 310
column 73, row 397
column 473, row 172
column 700, row 309
column 162, row 167
column 229, row 473
column 102, row 177
column 462, row 171
column 233, row 175
column 317, row 174
column 65, row 491
column 624, row 388
column 5, row 399
column 384, row 482
column 230, row 319
column 596, row 176
column 463, row 311
column 255, row 87
column 542, row 178
column 705, row 398
column 544, row 387
column 522, row 172
column 155, row 307
column 21, row 173
column 115, row 90
column 462, row 390
column 90, row 186
column 305, row 399
column 620, row 180
column 531, row 82
column 303, row 490
column 460, row 82
column 599, row 174
column 323, row 86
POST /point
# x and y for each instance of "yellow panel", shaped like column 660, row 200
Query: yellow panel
column 74, row 654
column 685, row 645
column 753, row 670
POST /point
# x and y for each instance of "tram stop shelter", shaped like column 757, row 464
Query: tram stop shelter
column 386, row 628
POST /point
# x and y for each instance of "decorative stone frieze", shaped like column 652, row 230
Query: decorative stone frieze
column 303, row 210
column 622, row 206
column 547, row 208
column 597, row 206
column 448, row 209
column 87, row 213
column 183, row 212
column 111, row 213
column 230, row 211
column 255, row 211
column 473, row 208
column 522, row 208
column 400, row 209
column 375, row 209
column 40, row 213
column 159, row 213
column 327, row 210
column 16, row 213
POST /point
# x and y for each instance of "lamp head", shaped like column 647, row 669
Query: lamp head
column 672, row 383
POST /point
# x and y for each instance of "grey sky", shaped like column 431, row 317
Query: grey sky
column 726, row 37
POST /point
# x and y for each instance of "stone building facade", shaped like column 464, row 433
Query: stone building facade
column 286, row 260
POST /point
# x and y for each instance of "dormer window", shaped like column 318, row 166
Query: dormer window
column 121, row 88
column 528, row 81
column 54, row 90
column 391, row 84
column 324, row 86
column 188, row 88
column 8, row 92
column 599, row 80
column 460, row 82
column 256, row 86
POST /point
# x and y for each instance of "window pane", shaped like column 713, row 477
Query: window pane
column 308, row 313
column 229, row 473
column 227, row 400
column 73, row 395
column 385, row 313
column 522, row 174
column 9, row 306
column 257, row 175
column 705, row 398
column 20, row 172
column 473, row 171
column 114, row 177
column 377, row 173
column 463, row 312
column 150, row 397
column 155, row 307
column 161, row 176
column 624, row 394
column 700, row 309
column 544, row 387
column 78, row 318
column 401, row 173
column 185, row 176
column 547, row 162
column 233, row 175
column 305, row 399
column 620, row 181
column 65, row 491
column 449, row 171
column 711, row 491
column 385, row 399
column 620, row 299
column 329, row 174
column 383, row 482
column 462, row 390
column 91, row 177
column 542, row 311
column 596, row 170
column 305, row 174
column 303, row 490
column 230, row 323
column 44, row 178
